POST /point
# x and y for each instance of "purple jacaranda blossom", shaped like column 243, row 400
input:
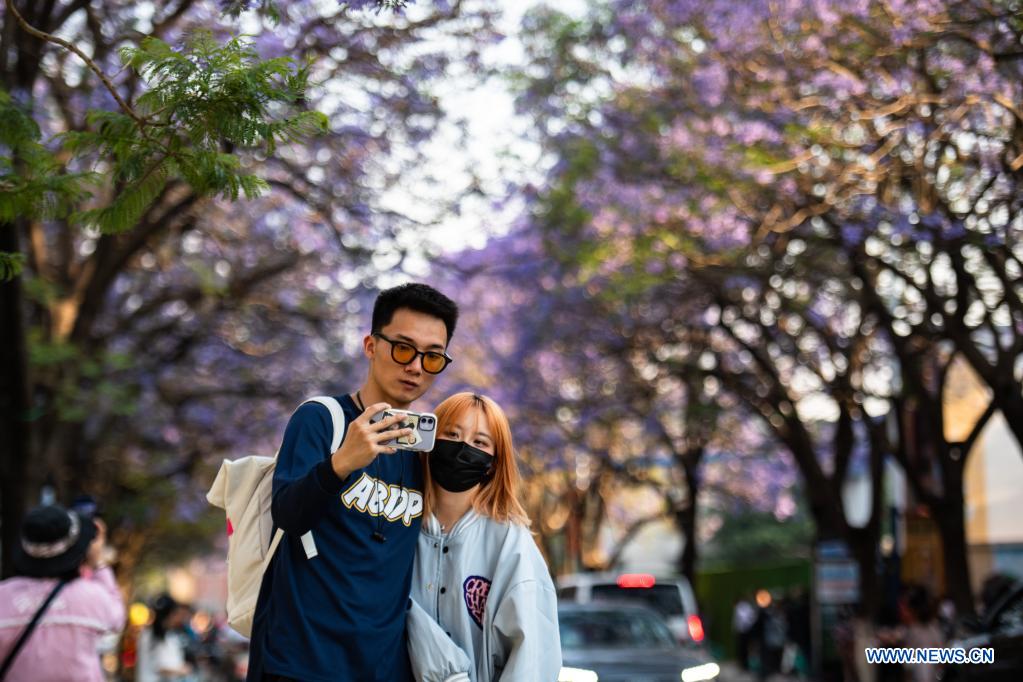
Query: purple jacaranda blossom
column 710, row 82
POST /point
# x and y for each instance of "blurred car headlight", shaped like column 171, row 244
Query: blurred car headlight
column 700, row 673
column 576, row 675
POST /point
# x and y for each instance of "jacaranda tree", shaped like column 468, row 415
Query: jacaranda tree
column 821, row 199
column 189, row 203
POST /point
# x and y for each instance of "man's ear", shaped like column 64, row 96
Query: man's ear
column 369, row 346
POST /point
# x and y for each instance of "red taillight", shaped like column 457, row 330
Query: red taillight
column 636, row 580
column 695, row 628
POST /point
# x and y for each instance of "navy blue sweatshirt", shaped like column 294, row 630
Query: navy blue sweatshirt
column 339, row 615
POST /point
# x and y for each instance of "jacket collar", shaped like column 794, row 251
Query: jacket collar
column 431, row 526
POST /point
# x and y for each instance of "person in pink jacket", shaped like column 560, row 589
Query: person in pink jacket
column 65, row 548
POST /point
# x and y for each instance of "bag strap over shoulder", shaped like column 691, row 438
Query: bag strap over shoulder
column 16, row 649
column 278, row 536
column 337, row 416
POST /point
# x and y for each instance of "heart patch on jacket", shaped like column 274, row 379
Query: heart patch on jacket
column 475, row 590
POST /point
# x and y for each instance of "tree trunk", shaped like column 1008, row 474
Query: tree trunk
column 685, row 516
column 573, row 535
column 615, row 557
column 15, row 407
column 685, row 519
column 20, row 68
column 1006, row 395
column 951, row 525
column 863, row 547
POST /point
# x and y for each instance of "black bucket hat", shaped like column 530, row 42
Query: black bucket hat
column 54, row 541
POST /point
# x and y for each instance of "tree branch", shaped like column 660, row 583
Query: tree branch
column 978, row 428
column 41, row 35
column 630, row 533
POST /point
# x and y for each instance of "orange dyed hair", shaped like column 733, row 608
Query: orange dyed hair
column 498, row 496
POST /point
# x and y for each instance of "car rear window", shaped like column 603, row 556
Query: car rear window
column 662, row 598
column 567, row 592
column 597, row 629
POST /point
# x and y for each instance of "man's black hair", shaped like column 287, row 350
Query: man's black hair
column 421, row 298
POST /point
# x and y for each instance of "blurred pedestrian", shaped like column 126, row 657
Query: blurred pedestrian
column 64, row 599
column 845, row 637
column 744, row 617
column 918, row 628
column 234, row 650
column 797, row 620
column 888, row 622
column 163, row 645
column 922, row 630
column 772, row 632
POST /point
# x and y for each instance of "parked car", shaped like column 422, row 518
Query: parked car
column 671, row 596
column 626, row 643
column 1000, row 629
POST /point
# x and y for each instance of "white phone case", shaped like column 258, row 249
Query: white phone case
column 422, row 439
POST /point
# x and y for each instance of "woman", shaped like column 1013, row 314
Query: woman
column 484, row 604
column 64, row 581
column 162, row 646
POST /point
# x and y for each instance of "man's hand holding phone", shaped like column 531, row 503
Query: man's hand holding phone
column 422, row 424
column 365, row 440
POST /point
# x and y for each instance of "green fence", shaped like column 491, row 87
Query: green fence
column 718, row 588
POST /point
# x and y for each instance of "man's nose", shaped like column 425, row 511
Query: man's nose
column 416, row 366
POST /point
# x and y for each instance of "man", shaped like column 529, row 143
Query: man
column 744, row 616
column 332, row 607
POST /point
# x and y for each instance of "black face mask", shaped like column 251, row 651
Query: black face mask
column 458, row 466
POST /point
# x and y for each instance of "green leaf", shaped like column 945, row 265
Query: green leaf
column 11, row 265
column 128, row 206
column 195, row 101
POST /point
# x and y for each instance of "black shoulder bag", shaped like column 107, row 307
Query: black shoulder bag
column 28, row 630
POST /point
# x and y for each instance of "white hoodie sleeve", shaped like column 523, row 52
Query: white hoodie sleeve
column 526, row 627
column 434, row 656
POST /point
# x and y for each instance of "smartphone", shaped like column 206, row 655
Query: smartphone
column 423, row 425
